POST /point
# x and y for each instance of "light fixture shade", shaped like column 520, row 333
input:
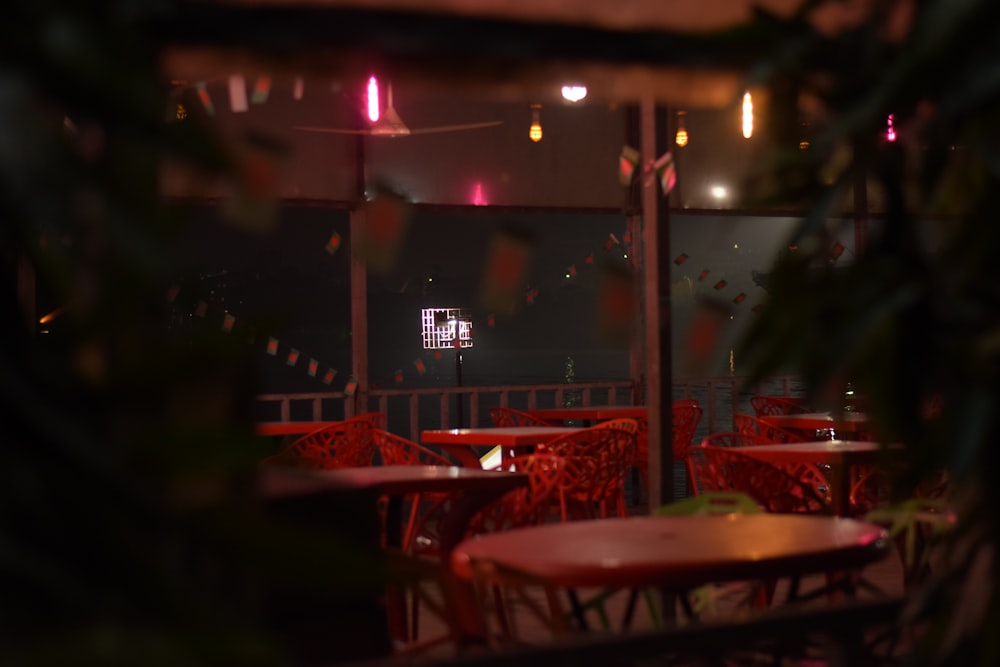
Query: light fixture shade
column 535, row 130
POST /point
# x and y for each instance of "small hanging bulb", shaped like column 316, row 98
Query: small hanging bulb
column 747, row 115
column 535, row 131
column 681, row 139
column 890, row 129
column 373, row 107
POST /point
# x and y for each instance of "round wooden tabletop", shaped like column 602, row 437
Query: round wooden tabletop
column 675, row 552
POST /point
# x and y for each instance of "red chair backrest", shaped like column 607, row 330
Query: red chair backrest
column 344, row 444
column 751, row 425
column 721, row 469
column 397, row 450
column 504, row 416
column 529, row 506
column 776, row 405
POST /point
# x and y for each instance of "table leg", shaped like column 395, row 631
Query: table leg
column 462, row 603
column 840, row 489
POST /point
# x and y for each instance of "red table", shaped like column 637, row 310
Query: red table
column 289, row 428
column 473, row 489
column 460, row 441
column 812, row 422
column 676, row 554
column 840, row 455
column 591, row 412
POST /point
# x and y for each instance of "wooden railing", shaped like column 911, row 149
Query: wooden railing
column 410, row 410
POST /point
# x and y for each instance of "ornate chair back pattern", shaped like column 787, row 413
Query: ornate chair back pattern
column 504, row 416
column 597, row 459
column 686, row 415
column 344, row 444
column 754, row 426
column 776, row 405
column 397, row 450
column 720, row 469
column 527, row 506
column 807, row 473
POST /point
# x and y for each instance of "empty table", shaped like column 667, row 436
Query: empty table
column 460, row 441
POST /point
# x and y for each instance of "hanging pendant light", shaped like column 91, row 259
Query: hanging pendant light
column 535, row 130
column 747, row 115
column 681, row 138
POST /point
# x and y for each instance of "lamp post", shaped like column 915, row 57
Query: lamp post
column 444, row 328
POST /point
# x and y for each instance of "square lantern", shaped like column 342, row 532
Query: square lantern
column 445, row 327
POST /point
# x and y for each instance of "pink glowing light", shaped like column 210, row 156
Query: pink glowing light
column 890, row 130
column 373, row 107
column 478, row 198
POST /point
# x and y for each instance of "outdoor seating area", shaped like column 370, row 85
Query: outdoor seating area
column 476, row 333
column 546, row 545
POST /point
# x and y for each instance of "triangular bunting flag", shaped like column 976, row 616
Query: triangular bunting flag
column 261, row 89
column 329, row 375
column 272, row 346
column 238, row 94
column 293, row 357
column 720, row 284
column 333, row 245
column 312, row 368
column 627, row 162
column 419, row 365
column 351, row 387
column 666, row 172
column 704, row 274
column 680, row 259
column 206, row 99
column 739, row 298
column 837, row 250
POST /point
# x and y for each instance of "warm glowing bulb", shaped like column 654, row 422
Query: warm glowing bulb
column 681, row 138
column 535, row 131
column 747, row 116
column 890, row 130
column 373, row 110
column 574, row 93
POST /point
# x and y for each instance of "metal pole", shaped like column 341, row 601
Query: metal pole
column 458, row 383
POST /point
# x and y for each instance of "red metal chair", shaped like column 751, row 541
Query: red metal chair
column 597, row 459
column 807, row 473
column 504, row 416
column 721, row 469
column 751, row 425
column 686, row 414
column 776, row 405
column 344, row 444
column 528, row 506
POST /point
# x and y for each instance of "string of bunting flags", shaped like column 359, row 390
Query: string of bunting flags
column 660, row 170
column 273, row 348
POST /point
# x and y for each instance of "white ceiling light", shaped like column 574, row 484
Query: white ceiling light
column 574, row 93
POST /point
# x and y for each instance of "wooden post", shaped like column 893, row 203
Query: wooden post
column 359, row 293
column 656, row 307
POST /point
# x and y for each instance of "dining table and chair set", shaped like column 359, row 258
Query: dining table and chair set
column 551, row 511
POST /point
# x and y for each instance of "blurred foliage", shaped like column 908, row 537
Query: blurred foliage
column 913, row 320
column 130, row 531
